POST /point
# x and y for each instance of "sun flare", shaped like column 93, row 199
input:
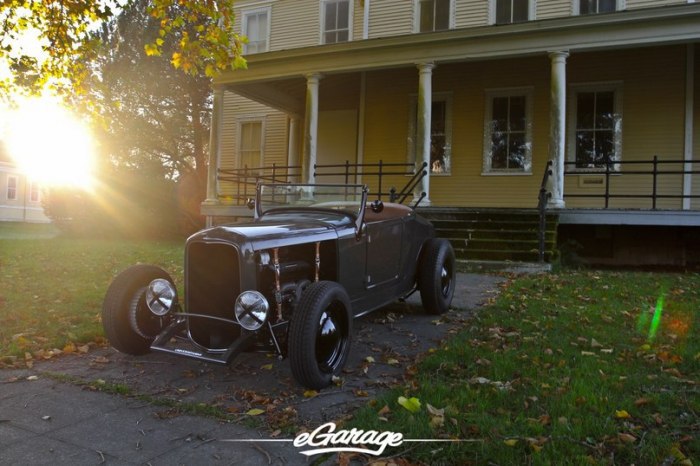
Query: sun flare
column 49, row 143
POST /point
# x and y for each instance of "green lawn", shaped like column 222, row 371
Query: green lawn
column 51, row 290
column 568, row 368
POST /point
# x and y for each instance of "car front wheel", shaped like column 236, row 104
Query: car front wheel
column 128, row 323
column 320, row 333
column 436, row 275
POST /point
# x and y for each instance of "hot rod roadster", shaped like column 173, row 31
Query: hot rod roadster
column 290, row 281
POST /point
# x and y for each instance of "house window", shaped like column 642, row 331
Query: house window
column 511, row 11
column 595, row 131
column 440, row 133
column 335, row 20
column 434, row 15
column 11, row 188
column 508, row 131
column 256, row 27
column 34, row 192
column 250, row 148
column 598, row 6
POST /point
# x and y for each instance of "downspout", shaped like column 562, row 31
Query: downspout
column 365, row 21
column 689, row 123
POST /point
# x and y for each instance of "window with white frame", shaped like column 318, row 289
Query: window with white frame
column 256, row 28
column 508, row 131
column 595, row 126
column 511, row 11
column 335, row 21
column 440, row 133
column 34, row 192
column 12, row 188
column 250, row 146
column 434, row 15
column 586, row 7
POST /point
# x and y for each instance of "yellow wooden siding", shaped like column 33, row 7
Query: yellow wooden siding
column 553, row 8
column 634, row 4
column 275, row 145
column 358, row 19
column 470, row 13
column 390, row 18
column 652, row 82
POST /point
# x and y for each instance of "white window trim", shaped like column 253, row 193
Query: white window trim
column 322, row 15
column 239, row 139
column 411, row 152
column 416, row 16
column 620, row 5
column 34, row 187
column 528, row 92
column 574, row 89
column 244, row 25
column 531, row 11
column 7, row 191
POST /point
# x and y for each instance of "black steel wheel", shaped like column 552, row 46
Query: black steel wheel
column 436, row 275
column 128, row 323
column 320, row 333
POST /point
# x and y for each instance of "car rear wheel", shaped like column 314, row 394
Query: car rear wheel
column 128, row 323
column 320, row 334
column 436, row 275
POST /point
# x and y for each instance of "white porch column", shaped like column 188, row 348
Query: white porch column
column 557, row 127
column 293, row 145
column 423, row 118
column 311, row 125
column 214, row 147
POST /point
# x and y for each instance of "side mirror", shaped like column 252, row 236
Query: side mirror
column 377, row 206
column 250, row 203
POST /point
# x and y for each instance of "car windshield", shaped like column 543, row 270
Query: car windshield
column 345, row 198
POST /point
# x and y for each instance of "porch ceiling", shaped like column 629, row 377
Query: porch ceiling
column 652, row 26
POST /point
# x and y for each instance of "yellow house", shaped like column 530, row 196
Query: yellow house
column 486, row 93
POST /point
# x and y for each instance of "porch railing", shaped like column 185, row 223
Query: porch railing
column 654, row 169
column 244, row 180
column 350, row 172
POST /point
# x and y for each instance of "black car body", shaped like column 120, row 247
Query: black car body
column 291, row 281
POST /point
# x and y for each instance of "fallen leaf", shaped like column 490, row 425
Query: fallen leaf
column 642, row 401
column 622, row 414
column 32, row 378
column 392, row 362
column 360, row 393
column 267, row 367
column 595, row 344
column 412, row 404
column 384, row 411
column 626, row 438
column 310, row 393
column 255, row 412
column 369, row 359
column 511, row 442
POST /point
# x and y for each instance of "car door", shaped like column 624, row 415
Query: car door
column 384, row 243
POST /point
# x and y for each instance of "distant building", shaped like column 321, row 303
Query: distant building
column 20, row 197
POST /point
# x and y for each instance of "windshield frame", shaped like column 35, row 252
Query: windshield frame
column 334, row 205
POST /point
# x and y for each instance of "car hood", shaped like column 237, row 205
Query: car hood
column 278, row 230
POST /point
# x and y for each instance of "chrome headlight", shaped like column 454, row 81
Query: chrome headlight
column 251, row 310
column 160, row 296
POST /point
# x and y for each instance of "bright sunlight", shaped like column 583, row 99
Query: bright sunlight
column 48, row 143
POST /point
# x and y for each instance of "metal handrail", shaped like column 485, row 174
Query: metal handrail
column 380, row 170
column 613, row 168
column 246, row 177
column 542, row 199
